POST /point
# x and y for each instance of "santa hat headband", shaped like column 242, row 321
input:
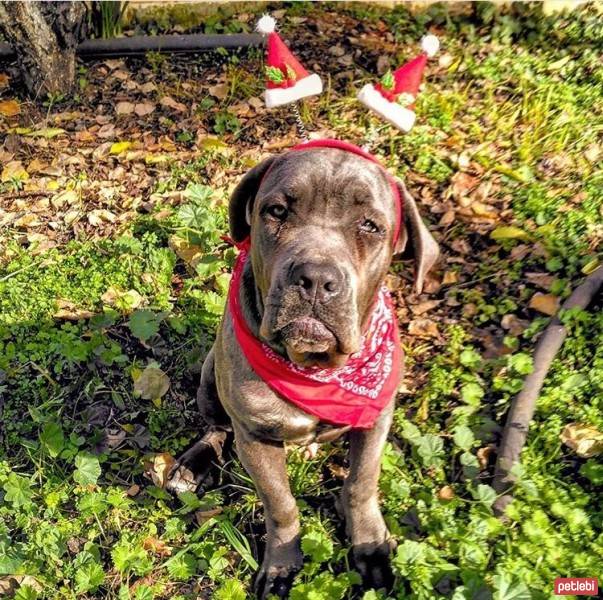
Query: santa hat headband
column 394, row 96
column 286, row 79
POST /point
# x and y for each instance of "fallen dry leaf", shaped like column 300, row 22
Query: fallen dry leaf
column 592, row 153
column 101, row 151
column 450, row 277
column 148, row 87
column 461, row 246
column 483, row 455
column 10, row 585
column 160, row 468
column 36, row 165
column 106, row 131
column 152, row 384
column 99, row 216
column 67, row 197
column 583, row 439
column 84, row 136
column 423, row 307
column 156, row 546
column 423, row 328
column 547, row 304
column 68, row 311
column 447, row 218
column 483, row 210
column 114, row 296
column 513, row 325
column 338, row 471
column 14, row 170
column 9, row 108
column 114, row 63
column 4, row 80
column 520, row 251
column 256, row 102
column 28, row 220
column 167, row 144
column 432, row 283
column 133, row 490
column 186, row 251
column 171, row 103
column 219, row 91
column 201, row 516
column 144, row 108
column 462, row 185
column 542, row 280
column 446, row 493
column 124, row 108
column 71, row 215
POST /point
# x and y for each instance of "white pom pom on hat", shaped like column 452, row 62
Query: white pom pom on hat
column 266, row 24
column 430, row 45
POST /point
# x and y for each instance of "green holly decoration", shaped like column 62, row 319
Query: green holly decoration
column 387, row 81
column 275, row 75
column 291, row 76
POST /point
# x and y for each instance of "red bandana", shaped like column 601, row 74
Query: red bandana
column 351, row 395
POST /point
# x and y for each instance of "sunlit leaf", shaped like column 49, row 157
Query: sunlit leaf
column 87, row 469
column 152, row 383
column 585, row 440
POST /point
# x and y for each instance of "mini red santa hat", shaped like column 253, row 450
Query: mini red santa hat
column 394, row 96
column 286, row 79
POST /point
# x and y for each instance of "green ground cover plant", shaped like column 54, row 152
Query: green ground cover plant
column 113, row 280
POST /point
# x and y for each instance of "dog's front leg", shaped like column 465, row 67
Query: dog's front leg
column 265, row 463
column 371, row 540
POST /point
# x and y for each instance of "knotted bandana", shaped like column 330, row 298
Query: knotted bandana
column 354, row 394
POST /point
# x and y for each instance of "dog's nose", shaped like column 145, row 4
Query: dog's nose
column 317, row 281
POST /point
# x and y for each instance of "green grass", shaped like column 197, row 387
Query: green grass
column 79, row 517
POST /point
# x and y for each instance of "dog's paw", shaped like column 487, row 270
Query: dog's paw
column 276, row 580
column 372, row 561
column 182, row 479
column 195, row 470
column 277, row 574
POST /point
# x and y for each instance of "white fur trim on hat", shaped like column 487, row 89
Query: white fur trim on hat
column 430, row 45
column 397, row 115
column 266, row 24
column 308, row 86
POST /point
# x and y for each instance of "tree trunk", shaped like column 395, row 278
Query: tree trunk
column 44, row 36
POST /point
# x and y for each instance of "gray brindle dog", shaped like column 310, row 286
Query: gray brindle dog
column 321, row 223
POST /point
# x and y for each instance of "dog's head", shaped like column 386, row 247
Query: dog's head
column 322, row 223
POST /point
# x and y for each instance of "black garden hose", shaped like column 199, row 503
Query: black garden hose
column 140, row 44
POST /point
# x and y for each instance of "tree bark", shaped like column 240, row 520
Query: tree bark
column 524, row 404
column 44, row 36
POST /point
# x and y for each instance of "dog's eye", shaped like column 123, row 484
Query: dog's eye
column 278, row 211
column 368, row 226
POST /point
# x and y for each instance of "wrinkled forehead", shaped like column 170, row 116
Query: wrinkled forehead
column 329, row 172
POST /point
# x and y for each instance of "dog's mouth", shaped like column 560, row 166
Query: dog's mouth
column 309, row 342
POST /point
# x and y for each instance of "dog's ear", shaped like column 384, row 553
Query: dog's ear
column 241, row 201
column 422, row 246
